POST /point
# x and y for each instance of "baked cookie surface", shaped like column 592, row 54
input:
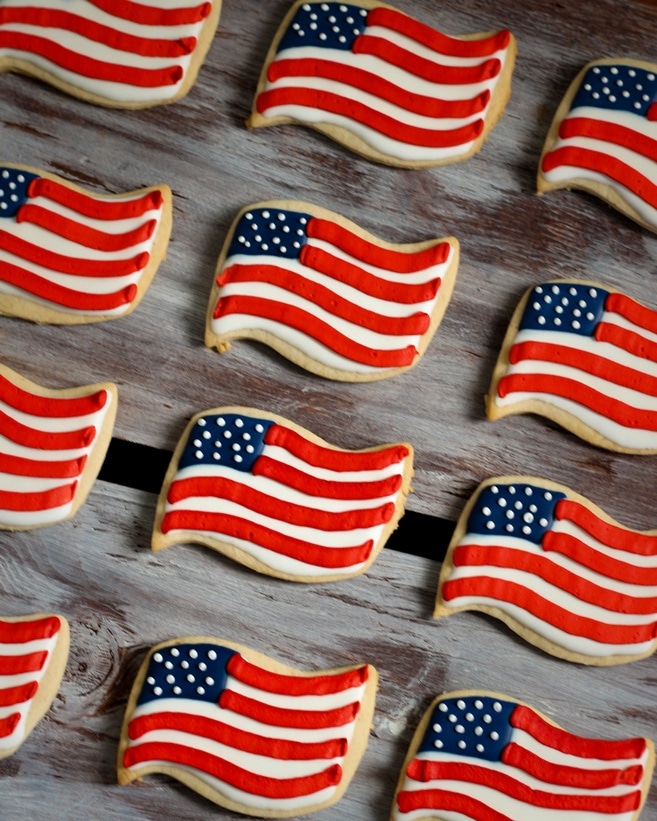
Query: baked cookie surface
column 275, row 497
column 245, row 731
column 584, row 356
column 118, row 53
column 604, row 138
column 326, row 294
column 481, row 755
column 556, row 569
column 33, row 656
column 384, row 84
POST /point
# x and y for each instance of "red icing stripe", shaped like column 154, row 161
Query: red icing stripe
column 544, row 568
column 85, row 66
column 370, row 284
column 36, row 405
column 325, row 298
column 287, row 512
column 94, row 207
column 324, row 333
column 151, row 15
column 43, row 500
column 594, row 560
column 10, row 696
column 602, row 163
column 17, row 632
column 609, row 133
column 43, row 439
column 524, row 718
column 54, row 18
column 632, row 342
column 284, row 717
column 332, row 458
column 591, row 363
column 65, row 264
column 326, row 488
column 426, row 69
column 609, row 534
column 83, row 234
column 370, row 117
column 613, row 409
column 516, row 756
column 230, row 773
column 632, row 310
column 283, row 684
column 233, row 737
column 549, row 612
column 239, row 528
column 436, row 40
column 9, row 724
column 65, row 297
column 21, row 466
column 27, row 663
column 372, row 254
column 448, row 801
column 423, row 770
column 366, row 81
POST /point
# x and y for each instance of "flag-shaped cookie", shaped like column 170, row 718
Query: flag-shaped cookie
column 556, row 569
column 384, row 84
column 68, row 256
column 484, row 756
column 279, row 499
column 119, row 53
column 52, row 446
column 33, row 655
column 245, row 731
column 584, row 356
column 328, row 295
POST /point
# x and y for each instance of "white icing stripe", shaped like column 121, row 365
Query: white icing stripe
column 20, row 648
column 27, row 484
column 308, row 702
column 632, row 559
column 54, row 424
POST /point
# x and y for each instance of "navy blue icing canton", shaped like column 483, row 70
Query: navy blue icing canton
column 196, row 671
column 567, row 307
column 228, row 439
column 475, row 726
column 521, row 510
column 618, row 88
column 327, row 25
column 270, row 231
column 13, row 190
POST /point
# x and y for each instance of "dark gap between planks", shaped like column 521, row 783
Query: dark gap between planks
column 143, row 468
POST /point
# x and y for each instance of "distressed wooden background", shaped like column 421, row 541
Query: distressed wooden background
column 97, row 570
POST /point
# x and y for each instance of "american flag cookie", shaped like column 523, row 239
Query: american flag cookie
column 584, row 356
column 33, row 656
column 247, row 732
column 383, row 84
column 556, row 569
column 52, row 446
column 326, row 294
column 118, row 53
column 486, row 756
column 275, row 497
column 68, row 256
column 603, row 138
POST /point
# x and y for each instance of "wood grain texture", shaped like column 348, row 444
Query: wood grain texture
column 121, row 599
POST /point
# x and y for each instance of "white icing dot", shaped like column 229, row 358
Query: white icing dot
column 461, row 745
column 250, row 449
column 528, row 517
column 200, row 690
column 518, row 505
column 236, row 447
column 199, row 454
column 177, row 690
column 265, row 214
column 207, row 434
column 438, row 744
column 197, row 443
column 469, row 716
column 168, row 665
column 490, row 525
column 202, row 666
column 460, row 704
column 221, row 421
column 533, row 508
column 526, row 530
column 495, row 735
column 541, row 320
column 509, row 528
column 557, row 321
column 228, row 434
column 497, row 707
column 193, row 654
column 486, row 718
column 459, row 728
column 259, row 428
column 150, row 680
column 486, row 511
column 184, row 664
column 202, row 422
column 237, row 458
column 576, row 325
column 478, row 731
column 443, row 707
column 216, row 456
column 437, row 728
column 479, row 704
column 171, row 679
column 157, row 657
column 190, row 678
column 543, row 522
column 209, row 680
column 322, row 36
column 501, row 501
column 548, row 496
column 510, row 514
column 212, row 654
column 157, row 691
column 479, row 748
column 452, row 718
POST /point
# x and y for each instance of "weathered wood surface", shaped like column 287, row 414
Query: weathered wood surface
column 121, row 599
column 97, row 570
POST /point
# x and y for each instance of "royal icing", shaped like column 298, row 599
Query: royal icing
column 254, row 486
column 78, row 256
column 546, row 561
column 608, row 137
column 250, row 732
column 407, row 92
column 588, row 353
column 342, row 304
column 118, row 51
